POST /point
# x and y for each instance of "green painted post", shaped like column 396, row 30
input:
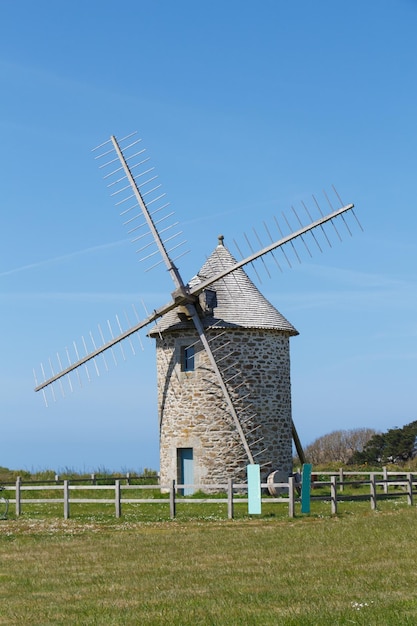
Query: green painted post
column 254, row 489
column 305, row 488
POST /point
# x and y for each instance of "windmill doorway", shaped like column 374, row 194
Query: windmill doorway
column 185, row 469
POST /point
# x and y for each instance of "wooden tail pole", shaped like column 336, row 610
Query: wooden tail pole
column 297, row 444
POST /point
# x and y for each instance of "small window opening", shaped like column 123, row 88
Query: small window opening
column 187, row 359
column 208, row 301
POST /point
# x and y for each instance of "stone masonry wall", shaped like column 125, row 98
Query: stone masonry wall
column 193, row 412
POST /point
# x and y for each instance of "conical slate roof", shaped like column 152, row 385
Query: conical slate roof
column 232, row 302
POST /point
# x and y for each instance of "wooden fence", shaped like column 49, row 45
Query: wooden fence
column 345, row 477
column 403, row 484
column 337, row 487
column 121, row 495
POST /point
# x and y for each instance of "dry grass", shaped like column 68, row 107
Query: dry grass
column 358, row 568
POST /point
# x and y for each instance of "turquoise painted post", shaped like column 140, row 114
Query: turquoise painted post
column 305, row 488
column 254, row 489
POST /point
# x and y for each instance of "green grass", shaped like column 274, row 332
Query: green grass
column 356, row 568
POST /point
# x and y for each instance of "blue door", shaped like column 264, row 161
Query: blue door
column 185, row 469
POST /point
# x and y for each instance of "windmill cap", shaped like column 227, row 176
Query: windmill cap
column 239, row 303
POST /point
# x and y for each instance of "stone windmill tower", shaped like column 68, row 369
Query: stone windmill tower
column 199, row 442
column 222, row 349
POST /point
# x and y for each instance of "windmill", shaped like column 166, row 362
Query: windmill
column 222, row 349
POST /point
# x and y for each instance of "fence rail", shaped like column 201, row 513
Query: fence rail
column 232, row 492
column 119, row 499
column 343, row 474
column 94, row 479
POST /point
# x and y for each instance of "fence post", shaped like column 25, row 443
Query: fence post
column 117, row 498
column 66, row 500
column 410, row 489
column 291, row 498
column 127, row 478
column 306, row 488
column 373, row 491
column 230, row 498
column 341, row 479
column 333, row 494
column 18, row 503
column 172, row 500
column 93, row 479
column 385, row 478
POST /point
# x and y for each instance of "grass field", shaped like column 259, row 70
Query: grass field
column 356, row 568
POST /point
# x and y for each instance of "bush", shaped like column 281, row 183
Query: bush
column 397, row 445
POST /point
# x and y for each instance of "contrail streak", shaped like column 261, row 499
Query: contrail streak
column 64, row 257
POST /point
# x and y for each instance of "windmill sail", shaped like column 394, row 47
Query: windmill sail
column 185, row 295
column 141, row 201
column 133, row 184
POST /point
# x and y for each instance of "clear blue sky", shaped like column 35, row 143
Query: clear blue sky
column 246, row 108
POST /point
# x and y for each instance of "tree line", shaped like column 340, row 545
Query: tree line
column 395, row 446
column 362, row 446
